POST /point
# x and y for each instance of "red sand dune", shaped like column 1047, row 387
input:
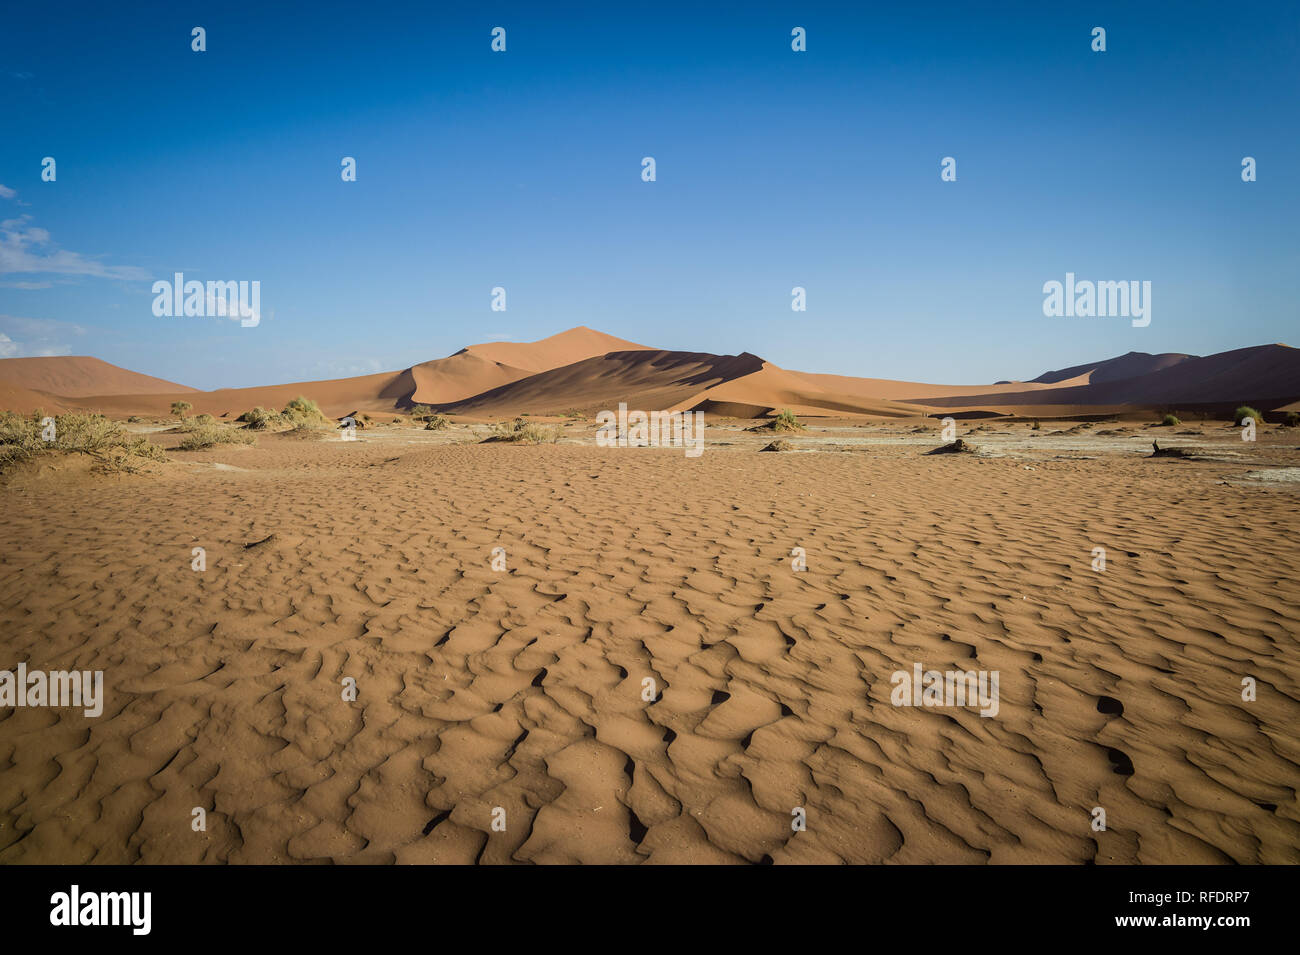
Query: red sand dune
column 469, row 372
column 1263, row 375
column 913, row 391
column 336, row 397
column 645, row 380
column 17, row 398
column 78, row 376
column 565, row 348
column 737, row 385
column 771, row 388
column 586, row 370
column 479, row 368
column 1132, row 365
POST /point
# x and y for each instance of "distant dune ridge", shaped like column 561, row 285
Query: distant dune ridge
column 1132, row 365
column 1264, row 375
column 585, row 370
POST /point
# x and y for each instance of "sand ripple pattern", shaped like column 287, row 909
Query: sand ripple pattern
column 522, row 689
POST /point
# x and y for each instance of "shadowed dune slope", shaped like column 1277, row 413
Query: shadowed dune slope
column 913, row 391
column 1267, row 374
column 648, row 380
column 738, row 385
column 1132, row 365
column 479, row 368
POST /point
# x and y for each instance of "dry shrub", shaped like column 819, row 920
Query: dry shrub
column 520, row 431
column 209, row 435
column 24, row 437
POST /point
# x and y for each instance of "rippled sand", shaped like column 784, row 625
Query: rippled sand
column 523, row 688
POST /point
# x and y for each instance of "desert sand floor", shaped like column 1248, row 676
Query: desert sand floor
column 522, row 688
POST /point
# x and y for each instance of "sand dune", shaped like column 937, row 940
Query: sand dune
column 17, row 398
column 576, row 344
column 1130, row 365
column 771, row 388
column 918, row 392
column 480, row 368
column 336, row 397
column 734, row 385
column 1264, row 375
column 461, row 375
column 587, row 370
column 81, row 376
column 469, row 372
column 649, row 380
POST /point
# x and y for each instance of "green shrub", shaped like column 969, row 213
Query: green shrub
column 1291, row 420
column 785, row 420
column 1169, row 421
column 181, row 408
column 1244, row 412
column 305, row 411
column 436, row 422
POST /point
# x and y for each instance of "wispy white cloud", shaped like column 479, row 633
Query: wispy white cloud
column 6, row 192
column 26, row 248
column 12, row 349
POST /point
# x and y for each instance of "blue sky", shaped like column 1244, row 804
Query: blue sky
column 523, row 170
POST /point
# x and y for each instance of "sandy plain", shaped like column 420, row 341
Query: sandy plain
column 522, row 688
